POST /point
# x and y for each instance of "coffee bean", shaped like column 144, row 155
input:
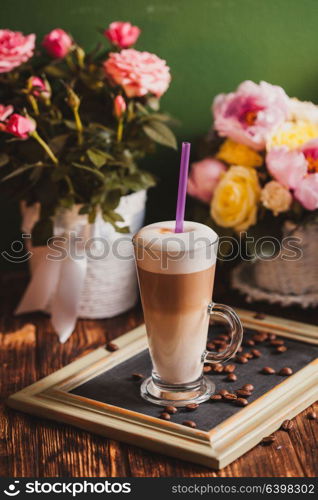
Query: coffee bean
column 218, row 342
column 229, row 368
column 240, row 349
column 277, row 342
column 247, row 355
column 267, row 370
column 312, row 415
column 241, row 359
column 259, row 315
column 272, row 336
column 207, row 369
column 216, row 397
column 165, row 415
column 210, row 346
column 286, row 371
column 217, row 368
column 259, row 338
column 230, row 397
column 137, row 376
column 249, row 342
column 111, row 347
column 241, row 402
column 222, row 392
column 280, row 349
column 231, row 377
column 267, row 440
column 287, row 425
column 192, row 406
column 223, row 337
column 242, row 393
column 189, row 423
column 170, row 409
column 221, row 348
column 248, row 387
column 256, row 353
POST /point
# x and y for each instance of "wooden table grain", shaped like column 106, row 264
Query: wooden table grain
column 31, row 446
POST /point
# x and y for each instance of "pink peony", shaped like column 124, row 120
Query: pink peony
column 204, row 177
column 297, row 170
column 123, row 35
column 139, row 73
column 249, row 115
column 57, row 43
column 15, row 49
column 20, row 126
column 119, row 106
column 39, row 87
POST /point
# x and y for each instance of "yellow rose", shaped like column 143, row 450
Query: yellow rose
column 236, row 198
column 276, row 197
column 293, row 134
column 234, row 153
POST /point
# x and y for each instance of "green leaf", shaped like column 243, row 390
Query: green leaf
column 4, row 159
column 55, row 71
column 153, row 103
column 112, row 217
column 84, row 210
column 141, row 108
column 96, row 158
column 42, row 231
column 17, row 171
column 93, row 171
column 70, row 124
column 58, row 143
column 160, row 133
column 112, row 200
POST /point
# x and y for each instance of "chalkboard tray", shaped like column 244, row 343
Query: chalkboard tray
column 98, row 393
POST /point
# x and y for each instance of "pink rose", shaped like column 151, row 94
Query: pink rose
column 248, row 115
column 297, row 170
column 119, row 106
column 204, row 177
column 123, row 35
column 138, row 73
column 39, row 87
column 20, row 126
column 57, row 43
column 5, row 111
column 15, row 49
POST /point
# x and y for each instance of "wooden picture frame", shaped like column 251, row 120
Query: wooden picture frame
column 50, row 398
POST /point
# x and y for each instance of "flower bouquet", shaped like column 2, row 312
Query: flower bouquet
column 73, row 127
column 258, row 181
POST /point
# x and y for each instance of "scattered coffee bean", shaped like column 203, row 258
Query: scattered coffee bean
column 248, row 387
column 111, row 347
column 267, row 440
column 280, row 349
column 170, row 409
column 231, row 377
column 242, row 393
column 165, row 415
column 249, row 342
column 247, row 355
column 189, row 423
column 192, row 406
column 230, row 397
column 256, row 353
column 241, row 402
column 207, row 369
column 137, row 376
column 240, row 349
column 268, row 370
column 216, row 397
column 272, row 336
column 221, row 348
column 210, row 346
column 312, row 415
column 218, row 342
column 287, row 425
column 217, row 368
column 229, row 368
column 241, row 359
column 277, row 342
column 259, row 338
column 259, row 315
column 222, row 392
column 286, row 371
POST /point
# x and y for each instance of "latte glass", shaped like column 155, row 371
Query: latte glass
column 176, row 276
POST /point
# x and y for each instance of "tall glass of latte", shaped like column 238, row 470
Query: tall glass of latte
column 176, row 275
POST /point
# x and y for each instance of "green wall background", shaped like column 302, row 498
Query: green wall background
column 210, row 45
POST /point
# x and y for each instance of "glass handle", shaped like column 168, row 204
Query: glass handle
column 227, row 313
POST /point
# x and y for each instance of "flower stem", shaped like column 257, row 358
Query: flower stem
column 120, row 130
column 79, row 126
column 34, row 104
column 45, row 146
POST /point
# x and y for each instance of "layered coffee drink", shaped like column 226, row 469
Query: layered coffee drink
column 176, row 275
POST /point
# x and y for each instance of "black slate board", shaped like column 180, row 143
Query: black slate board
column 116, row 386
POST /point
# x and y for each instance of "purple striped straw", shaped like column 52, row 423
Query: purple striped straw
column 182, row 189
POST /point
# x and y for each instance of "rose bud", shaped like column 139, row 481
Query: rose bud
column 39, row 87
column 20, row 126
column 57, row 43
column 121, row 34
column 119, row 106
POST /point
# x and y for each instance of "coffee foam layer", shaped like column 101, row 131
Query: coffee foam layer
column 159, row 249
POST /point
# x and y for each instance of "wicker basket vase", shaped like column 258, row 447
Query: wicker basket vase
column 282, row 280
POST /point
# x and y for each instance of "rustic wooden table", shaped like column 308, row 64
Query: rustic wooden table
column 31, row 446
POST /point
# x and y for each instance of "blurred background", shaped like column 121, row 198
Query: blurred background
column 210, row 45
